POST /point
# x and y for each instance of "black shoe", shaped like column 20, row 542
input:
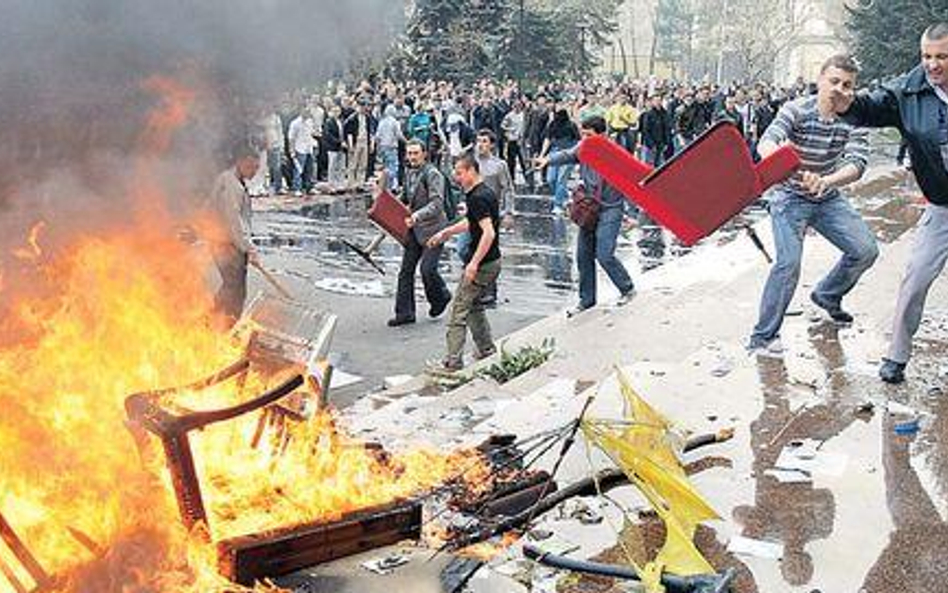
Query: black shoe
column 835, row 312
column 891, row 371
column 438, row 308
column 488, row 301
column 397, row 321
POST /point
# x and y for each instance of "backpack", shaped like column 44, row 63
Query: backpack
column 453, row 195
column 419, row 126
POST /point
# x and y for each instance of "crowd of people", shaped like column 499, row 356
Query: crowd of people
column 485, row 139
column 341, row 136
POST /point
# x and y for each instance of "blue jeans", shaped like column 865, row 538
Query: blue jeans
column 389, row 156
column 653, row 156
column 275, row 168
column 303, row 171
column 599, row 245
column 557, row 177
column 463, row 247
column 836, row 220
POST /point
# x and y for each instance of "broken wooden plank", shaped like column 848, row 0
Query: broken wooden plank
column 248, row 559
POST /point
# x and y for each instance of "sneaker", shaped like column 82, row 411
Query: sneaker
column 297, row 194
column 574, row 311
column 485, row 354
column 397, row 321
column 835, row 312
column 891, row 371
column 625, row 297
column 444, row 366
column 438, row 308
column 771, row 349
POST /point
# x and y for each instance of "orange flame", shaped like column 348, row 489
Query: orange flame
column 125, row 313
column 32, row 251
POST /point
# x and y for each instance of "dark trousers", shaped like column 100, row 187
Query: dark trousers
column 322, row 162
column 514, row 153
column 232, row 265
column 436, row 291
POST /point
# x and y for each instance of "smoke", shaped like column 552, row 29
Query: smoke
column 75, row 96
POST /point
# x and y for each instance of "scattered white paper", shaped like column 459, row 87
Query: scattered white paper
column 372, row 288
column 804, row 456
column 746, row 546
column 785, row 476
column 482, row 407
column 342, row 379
column 396, row 381
column 556, row 545
column 386, row 564
column 900, row 409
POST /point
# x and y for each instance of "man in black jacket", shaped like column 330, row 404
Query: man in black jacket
column 917, row 104
column 656, row 134
column 360, row 130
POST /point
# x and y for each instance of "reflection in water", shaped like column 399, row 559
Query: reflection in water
column 914, row 559
column 560, row 264
column 795, row 513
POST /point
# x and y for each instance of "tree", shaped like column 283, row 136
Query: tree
column 465, row 40
column 588, row 26
column 885, row 35
column 533, row 53
column 758, row 30
column 674, row 20
column 454, row 39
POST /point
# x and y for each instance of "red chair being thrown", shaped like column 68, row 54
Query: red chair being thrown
column 705, row 185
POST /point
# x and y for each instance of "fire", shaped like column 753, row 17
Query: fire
column 32, row 251
column 129, row 313
column 124, row 313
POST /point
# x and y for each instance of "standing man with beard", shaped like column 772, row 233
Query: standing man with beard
column 917, row 104
column 424, row 193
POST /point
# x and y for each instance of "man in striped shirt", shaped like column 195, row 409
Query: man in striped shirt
column 833, row 154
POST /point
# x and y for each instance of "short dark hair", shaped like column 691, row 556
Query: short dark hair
column 244, row 150
column 467, row 160
column 489, row 134
column 596, row 123
column 844, row 62
column 936, row 32
column 416, row 142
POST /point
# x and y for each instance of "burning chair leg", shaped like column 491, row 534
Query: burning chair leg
column 24, row 557
column 145, row 412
